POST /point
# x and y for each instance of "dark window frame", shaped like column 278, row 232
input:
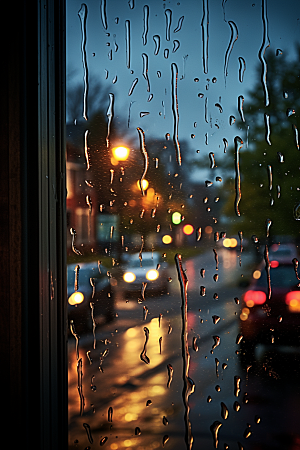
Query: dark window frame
column 33, row 223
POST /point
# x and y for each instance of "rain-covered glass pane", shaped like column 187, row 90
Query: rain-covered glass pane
column 183, row 209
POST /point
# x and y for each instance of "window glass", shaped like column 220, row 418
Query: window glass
column 183, row 224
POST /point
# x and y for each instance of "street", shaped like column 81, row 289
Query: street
column 129, row 389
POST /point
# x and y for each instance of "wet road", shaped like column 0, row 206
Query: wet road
column 147, row 405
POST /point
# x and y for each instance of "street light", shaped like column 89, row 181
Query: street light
column 119, row 154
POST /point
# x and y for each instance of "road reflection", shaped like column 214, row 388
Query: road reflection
column 145, row 410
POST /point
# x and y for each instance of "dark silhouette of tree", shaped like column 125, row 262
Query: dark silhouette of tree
column 270, row 165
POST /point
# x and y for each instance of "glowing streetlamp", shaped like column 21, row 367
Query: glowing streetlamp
column 120, row 153
column 145, row 184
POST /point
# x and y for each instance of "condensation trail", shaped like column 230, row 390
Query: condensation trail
column 238, row 145
column 205, row 34
column 146, row 24
column 110, row 115
column 233, row 37
column 189, row 385
column 103, row 13
column 82, row 13
column 145, row 155
column 86, row 149
column 168, row 14
column 174, row 70
column 145, row 70
column 268, row 129
column 242, row 68
column 261, row 54
column 127, row 43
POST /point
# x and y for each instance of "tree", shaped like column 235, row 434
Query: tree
column 270, row 166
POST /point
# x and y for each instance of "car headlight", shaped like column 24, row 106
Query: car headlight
column 129, row 277
column 76, row 298
column 152, row 275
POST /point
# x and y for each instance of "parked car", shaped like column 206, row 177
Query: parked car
column 87, row 285
column 274, row 321
column 147, row 270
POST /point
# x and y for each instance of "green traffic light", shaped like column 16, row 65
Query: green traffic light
column 176, row 218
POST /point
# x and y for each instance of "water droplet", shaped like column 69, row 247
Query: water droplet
column 158, row 73
column 285, row 94
column 103, row 441
column 156, row 39
column 242, row 68
column 219, row 179
column 88, row 432
column 212, row 160
column 198, row 233
column 145, row 70
column 215, row 296
column 178, row 28
column 209, row 399
column 224, row 411
column 134, row 83
column 241, row 107
column 257, row 419
column 214, row 428
column 290, row 112
column 170, row 375
column 149, row 403
column 231, row 120
column 143, row 355
column 200, row 95
column 237, row 300
column 110, row 115
column 165, row 421
column 238, row 145
column 202, row 273
column 278, row 52
column 219, row 107
column 176, row 45
column 236, row 406
column 146, row 20
column 215, row 319
column 237, row 385
column 247, row 433
column 202, row 291
column 225, row 142
column 217, row 341
column 195, row 345
column 165, row 440
column 137, row 431
column 144, row 113
column 215, row 277
column 196, row 80
column 208, row 183
column 239, row 338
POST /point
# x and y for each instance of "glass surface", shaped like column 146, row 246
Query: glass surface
column 183, row 212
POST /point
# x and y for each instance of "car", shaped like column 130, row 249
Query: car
column 275, row 321
column 146, row 272
column 87, row 284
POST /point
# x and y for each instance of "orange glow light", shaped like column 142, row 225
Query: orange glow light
column 188, row 229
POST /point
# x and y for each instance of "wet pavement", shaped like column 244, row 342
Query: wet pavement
column 129, row 401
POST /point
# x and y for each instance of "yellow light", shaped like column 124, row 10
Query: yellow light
column 188, row 229
column 226, row 242
column 129, row 417
column 152, row 275
column 145, row 184
column 256, row 274
column 243, row 316
column 250, row 303
column 76, row 298
column 114, row 446
column 166, row 239
column 129, row 277
column 131, row 332
column 120, row 153
column 233, row 242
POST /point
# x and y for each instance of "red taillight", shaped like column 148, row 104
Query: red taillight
column 274, row 264
column 255, row 298
column 293, row 297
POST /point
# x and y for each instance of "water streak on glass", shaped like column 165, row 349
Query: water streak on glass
column 174, row 72
column 180, row 22
column 268, row 128
column 145, row 70
column 127, row 42
column 261, row 54
column 238, row 195
column 241, row 107
column 189, row 385
column 103, row 13
column 233, row 37
column 205, row 35
column 168, row 14
column 146, row 24
column 110, row 115
column 176, row 45
column 145, row 156
column 156, row 39
column 82, row 13
column 134, row 83
column 242, row 68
